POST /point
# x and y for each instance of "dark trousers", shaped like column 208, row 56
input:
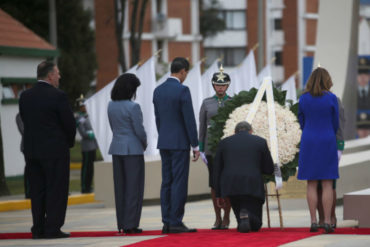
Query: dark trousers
column 250, row 204
column 26, row 182
column 49, row 182
column 128, row 175
column 210, row 170
column 87, row 170
column 174, row 188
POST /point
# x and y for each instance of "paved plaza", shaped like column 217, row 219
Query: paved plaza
column 199, row 214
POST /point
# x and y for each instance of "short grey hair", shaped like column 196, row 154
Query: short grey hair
column 243, row 126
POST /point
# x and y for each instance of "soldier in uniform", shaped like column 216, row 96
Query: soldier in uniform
column 88, row 147
column 209, row 108
column 363, row 98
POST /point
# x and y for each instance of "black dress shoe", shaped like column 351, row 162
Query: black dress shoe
column 244, row 225
column 59, row 234
column 180, row 229
column 37, row 236
column 165, row 229
column 133, row 230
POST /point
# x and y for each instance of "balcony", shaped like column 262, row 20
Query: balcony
column 166, row 28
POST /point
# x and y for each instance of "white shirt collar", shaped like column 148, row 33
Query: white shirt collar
column 366, row 88
column 44, row 81
column 173, row 77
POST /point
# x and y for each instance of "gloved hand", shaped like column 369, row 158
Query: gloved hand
column 339, row 154
column 278, row 177
column 90, row 133
column 204, row 158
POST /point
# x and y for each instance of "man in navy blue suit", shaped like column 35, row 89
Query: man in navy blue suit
column 177, row 131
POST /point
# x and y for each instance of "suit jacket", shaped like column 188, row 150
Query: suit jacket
column 238, row 166
column 49, row 124
column 126, row 121
column 174, row 116
column 20, row 126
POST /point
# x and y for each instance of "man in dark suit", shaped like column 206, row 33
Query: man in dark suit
column 49, row 132
column 177, row 131
column 239, row 163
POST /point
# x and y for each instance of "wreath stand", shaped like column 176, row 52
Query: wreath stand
column 277, row 194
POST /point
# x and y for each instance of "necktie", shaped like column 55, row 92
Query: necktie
column 363, row 93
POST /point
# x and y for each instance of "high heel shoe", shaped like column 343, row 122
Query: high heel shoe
column 224, row 227
column 334, row 225
column 328, row 228
column 225, row 224
column 217, row 225
column 314, row 227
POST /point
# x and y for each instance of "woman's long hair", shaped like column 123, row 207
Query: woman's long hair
column 125, row 87
column 319, row 82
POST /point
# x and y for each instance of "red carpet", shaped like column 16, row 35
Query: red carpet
column 209, row 238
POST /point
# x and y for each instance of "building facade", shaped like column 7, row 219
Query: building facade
column 169, row 26
column 289, row 30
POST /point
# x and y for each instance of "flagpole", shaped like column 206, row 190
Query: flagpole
column 255, row 46
column 141, row 62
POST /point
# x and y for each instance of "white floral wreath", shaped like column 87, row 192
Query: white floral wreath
column 288, row 129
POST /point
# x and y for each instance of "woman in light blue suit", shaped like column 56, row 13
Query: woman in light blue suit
column 127, row 147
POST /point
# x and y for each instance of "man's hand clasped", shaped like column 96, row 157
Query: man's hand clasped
column 196, row 155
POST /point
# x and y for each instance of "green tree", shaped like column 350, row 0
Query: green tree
column 76, row 39
column 210, row 20
column 31, row 13
column 119, row 14
column 136, row 15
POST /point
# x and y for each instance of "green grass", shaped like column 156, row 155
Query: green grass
column 76, row 155
column 15, row 185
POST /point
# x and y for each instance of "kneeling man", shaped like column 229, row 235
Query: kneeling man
column 239, row 163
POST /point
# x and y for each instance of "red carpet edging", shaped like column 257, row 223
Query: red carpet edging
column 209, row 238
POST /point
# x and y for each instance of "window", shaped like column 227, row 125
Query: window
column 279, row 58
column 234, row 19
column 230, row 56
column 13, row 87
column 278, row 24
column 160, row 47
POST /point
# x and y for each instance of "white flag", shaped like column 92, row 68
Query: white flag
column 247, row 73
column 194, row 82
column 289, row 87
column 163, row 78
column 265, row 72
column 144, row 97
column 235, row 82
column 97, row 110
column 207, row 86
column 363, row 37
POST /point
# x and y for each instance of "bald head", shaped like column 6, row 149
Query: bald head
column 243, row 126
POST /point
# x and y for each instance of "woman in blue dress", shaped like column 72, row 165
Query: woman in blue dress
column 318, row 159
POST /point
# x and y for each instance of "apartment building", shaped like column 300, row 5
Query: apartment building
column 172, row 26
